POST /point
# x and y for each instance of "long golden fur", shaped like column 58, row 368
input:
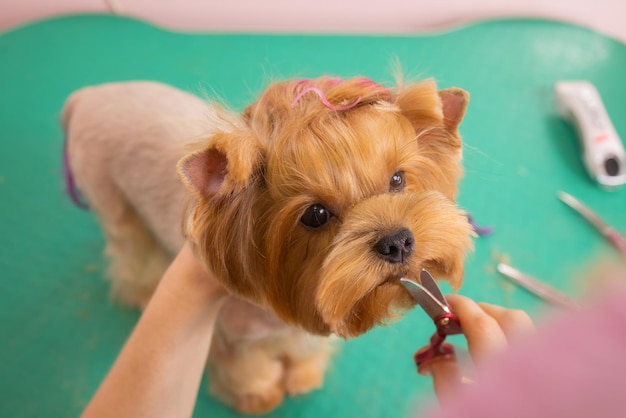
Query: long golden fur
column 308, row 207
column 329, row 280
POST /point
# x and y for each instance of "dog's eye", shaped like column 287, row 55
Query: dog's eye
column 316, row 216
column 397, row 182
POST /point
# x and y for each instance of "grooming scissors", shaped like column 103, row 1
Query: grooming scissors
column 609, row 233
column 429, row 296
column 537, row 287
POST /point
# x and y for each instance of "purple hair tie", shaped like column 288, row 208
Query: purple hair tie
column 325, row 101
column 70, row 184
column 480, row 230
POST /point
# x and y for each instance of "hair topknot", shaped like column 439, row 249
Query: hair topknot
column 338, row 94
column 306, row 98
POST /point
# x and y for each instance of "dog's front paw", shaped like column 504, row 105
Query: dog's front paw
column 304, row 377
column 251, row 394
column 259, row 402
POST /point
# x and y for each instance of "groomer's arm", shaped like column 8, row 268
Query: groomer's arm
column 159, row 370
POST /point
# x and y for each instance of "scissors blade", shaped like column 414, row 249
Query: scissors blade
column 614, row 237
column 541, row 289
column 584, row 211
column 429, row 302
column 429, row 282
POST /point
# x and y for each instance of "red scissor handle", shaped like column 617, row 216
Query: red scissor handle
column 425, row 356
column 438, row 349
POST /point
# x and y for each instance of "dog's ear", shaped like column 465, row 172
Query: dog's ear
column 435, row 117
column 453, row 104
column 226, row 165
column 426, row 107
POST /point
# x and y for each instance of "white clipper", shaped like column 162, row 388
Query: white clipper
column 602, row 150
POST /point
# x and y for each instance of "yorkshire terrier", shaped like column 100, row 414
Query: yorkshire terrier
column 309, row 206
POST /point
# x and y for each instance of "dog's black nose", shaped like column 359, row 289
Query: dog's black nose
column 396, row 247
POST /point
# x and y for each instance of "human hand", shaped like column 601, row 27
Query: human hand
column 488, row 330
column 187, row 277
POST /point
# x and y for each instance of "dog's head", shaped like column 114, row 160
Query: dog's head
column 325, row 193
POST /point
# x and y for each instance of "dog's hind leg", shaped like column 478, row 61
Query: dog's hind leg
column 136, row 260
column 101, row 136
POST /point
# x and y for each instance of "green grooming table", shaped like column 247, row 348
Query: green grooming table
column 60, row 332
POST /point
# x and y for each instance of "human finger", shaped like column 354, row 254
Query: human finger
column 513, row 322
column 484, row 334
column 446, row 376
